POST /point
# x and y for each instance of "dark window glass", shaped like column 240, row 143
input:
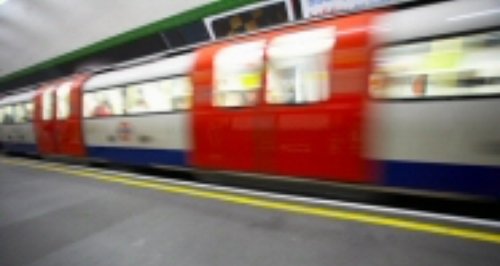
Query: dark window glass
column 250, row 20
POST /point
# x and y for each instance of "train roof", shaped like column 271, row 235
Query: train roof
column 20, row 97
column 447, row 18
column 171, row 66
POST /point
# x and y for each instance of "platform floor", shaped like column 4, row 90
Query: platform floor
column 52, row 214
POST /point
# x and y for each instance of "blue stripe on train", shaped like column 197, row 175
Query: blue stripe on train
column 21, row 147
column 468, row 179
column 140, row 157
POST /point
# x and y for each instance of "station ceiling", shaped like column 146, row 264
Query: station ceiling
column 36, row 34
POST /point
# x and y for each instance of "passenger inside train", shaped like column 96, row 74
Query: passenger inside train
column 103, row 108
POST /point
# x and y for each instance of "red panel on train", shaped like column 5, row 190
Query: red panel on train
column 286, row 103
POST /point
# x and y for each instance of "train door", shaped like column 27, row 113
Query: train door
column 45, row 119
column 68, row 120
column 316, row 79
column 228, row 82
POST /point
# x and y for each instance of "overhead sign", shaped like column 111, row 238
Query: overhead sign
column 249, row 18
column 317, row 8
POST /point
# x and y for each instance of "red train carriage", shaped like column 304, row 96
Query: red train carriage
column 289, row 102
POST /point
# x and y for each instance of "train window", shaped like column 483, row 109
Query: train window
column 456, row 66
column 48, row 104
column 103, row 103
column 3, row 110
column 63, row 101
column 181, row 92
column 2, row 114
column 238, row 74
column 29, row 110
column 297, row 71
column 147, row 97
column 20, row 113
column 8, row 115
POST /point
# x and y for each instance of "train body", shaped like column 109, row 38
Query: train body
column 403, row 99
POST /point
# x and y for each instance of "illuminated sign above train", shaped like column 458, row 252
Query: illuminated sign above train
column 318, row 8
column 250, row 18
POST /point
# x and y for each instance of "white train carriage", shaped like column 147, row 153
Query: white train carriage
column 17, row 132
column 139, row 115
column 437, row 98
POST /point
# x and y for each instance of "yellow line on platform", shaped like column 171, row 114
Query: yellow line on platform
column 380, row 220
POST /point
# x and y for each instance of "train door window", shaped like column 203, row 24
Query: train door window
column 48, row 104
column 103, row 103
column 20, row 113
column 181, row 92
column 63, row 93
column 298, row 67
column 29, row 110
column 147, row 97
column 238, row 74
column 445, row 67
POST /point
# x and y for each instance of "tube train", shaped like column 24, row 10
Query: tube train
column 405, row 99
